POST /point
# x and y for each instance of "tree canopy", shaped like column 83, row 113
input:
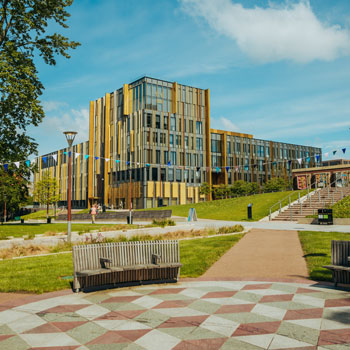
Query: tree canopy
column 23, row 36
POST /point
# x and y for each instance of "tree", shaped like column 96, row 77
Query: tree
column 276, row 184
column 23, row 25
column 204, row 188
column 46, row 191
column 13, row 191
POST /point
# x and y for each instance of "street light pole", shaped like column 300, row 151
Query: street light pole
column 70, row 135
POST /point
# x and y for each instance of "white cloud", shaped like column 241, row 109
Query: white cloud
column 52, row 105
column 223, row 124
column 75, row 119
column 278, row 32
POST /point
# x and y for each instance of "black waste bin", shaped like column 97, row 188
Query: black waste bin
column 103, row 208
column 22, row 221
column 129, row 219
column 48, row 220
column 250, row 211
column 325, row 216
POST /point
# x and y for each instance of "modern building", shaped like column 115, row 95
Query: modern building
column 151, row 144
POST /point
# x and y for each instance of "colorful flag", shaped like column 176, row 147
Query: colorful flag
column 77, row 155
column 227, row 168
column 299, row 161
column 344, row 150
column 6, row 166
column 44, row 159
column 65, row 153
column 28, row 163
column 326, row 155
column 17, row 164
column 127, row 162
column 96, row 158
column 317, row 158
column 217, row 169
column 334, row 152
column 117, row 161
column 86, row 156
column 169, row 163
column 107, row 159
column 54, row 156
column 147, row 164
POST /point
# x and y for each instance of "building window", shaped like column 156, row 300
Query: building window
column 172, row 124
column 149, row 120
column 178, row 175
column 173, row 158
column 199, row 144
column 190, row 126
column 157, row 156
column 199, row 128
column 157, row 121
column 228, row 147
column 171, row 140
column 178, row 140
column 171, row 174
column 166, row 122
column 166, row 157
column 186, row 142
column 155, row 137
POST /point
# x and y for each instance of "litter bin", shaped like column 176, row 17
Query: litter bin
column 250, row 213
column 22, row 221
column 48, row 220
column 103, row 208
column 129, row 219
column 325, row 216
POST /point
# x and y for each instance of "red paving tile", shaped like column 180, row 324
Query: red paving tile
column 257, row 286
column 113, row 315
column 225, row 294
column 303, row 314
column 66, row 308
column 66, row 326
column 5, row 336
column 173, row 304
column 230, row 309
column 201, row 344
column 167, row 291
column 187, row 321
column 336, row 336
column 337, row 302
column 57, row 348
column 110, row 337
column 256, row 328
column 306, row 290
column 133, row 334
column 45, row 328
column 130, row 314
column 274, row 298
column 123, row 299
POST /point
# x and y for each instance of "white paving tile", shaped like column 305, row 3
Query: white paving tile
column 226, row 301
column 193, row 293
column 262, row 341
column 308, row 300
column 26, row 323
column 123, row 325
column 92, row 311
column 269, row 311
column 281, row 342
column 180, row 312
column 329, row 324
column 314, row 323
column 11, row 315
column 220, row 325
column 124, row 293
column 156, row 340
column 268, row 291
column 147, row 301
column 49, row 339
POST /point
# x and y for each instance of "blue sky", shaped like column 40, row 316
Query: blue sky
column 279, row 70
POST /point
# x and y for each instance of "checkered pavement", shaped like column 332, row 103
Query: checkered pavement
column 184, row 316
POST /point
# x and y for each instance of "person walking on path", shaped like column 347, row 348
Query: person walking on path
column 93, row 212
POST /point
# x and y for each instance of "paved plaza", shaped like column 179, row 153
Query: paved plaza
column 188, row 315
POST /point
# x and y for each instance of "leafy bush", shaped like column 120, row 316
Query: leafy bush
column 276, row 184
column 230, row 229
column 164, row 222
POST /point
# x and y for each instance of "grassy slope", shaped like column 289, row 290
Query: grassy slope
column 317, row 250
column 42, row 274
column 234, row 208
column 342, row 208
column 19, row 230
column 38, row 215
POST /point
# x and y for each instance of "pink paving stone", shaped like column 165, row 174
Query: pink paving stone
column 133, row 335
column 173, row 304
column 65, row 308
column 187, row 321
column 66, row 326
column 303, row 314
column 231, row 309
column 201, row 344
column 337, row 302
column 57, row 348
column 111, row 337
column 113, row 315
column 274, row 298
column 306, row 290
column 44, row 328
column 257, row 286
column 258, row 328
column 5, row 336
column 123, row 299
column 335, row 336
column 167, row 291
column 129, row 314
column 225, row 294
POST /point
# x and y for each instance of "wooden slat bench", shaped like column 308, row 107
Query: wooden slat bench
column 117, row 263
column 340, row 265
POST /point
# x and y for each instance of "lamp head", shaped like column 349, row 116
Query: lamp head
column 70, row 135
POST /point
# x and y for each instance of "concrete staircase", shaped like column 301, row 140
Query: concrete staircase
column 318, row 199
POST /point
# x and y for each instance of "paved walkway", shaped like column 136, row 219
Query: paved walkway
column 260, row 254
column 185, row 316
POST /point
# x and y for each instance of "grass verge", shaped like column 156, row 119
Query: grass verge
column 44, row 273
column 317, row 250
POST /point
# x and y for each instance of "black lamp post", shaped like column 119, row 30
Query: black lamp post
column 70, row 135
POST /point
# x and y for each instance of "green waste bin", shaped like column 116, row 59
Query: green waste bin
column 325, row 216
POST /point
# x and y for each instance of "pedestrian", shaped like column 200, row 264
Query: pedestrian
column 93, row 212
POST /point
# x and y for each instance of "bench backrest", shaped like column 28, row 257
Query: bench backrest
column 340, row 253
column 87, row 257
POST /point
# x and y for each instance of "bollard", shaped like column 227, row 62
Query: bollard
column 250, row 214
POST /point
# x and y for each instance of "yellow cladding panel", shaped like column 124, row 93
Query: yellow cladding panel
column 77, row 192
column 126, row 99
column 150, row 189
column 196, row 195
column 91, row 149
column 182, row 193
column 119, row 132
column 132, row 140
column 107, row 143
column 231, row 133
column 158, row 184
column 175, row 190
column 190, row 192
column 175, row 97
column 207, row 134
column 166, row 189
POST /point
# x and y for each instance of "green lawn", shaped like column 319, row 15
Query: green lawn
column 235, row 209
column 342, row 208
column 317, row 250
column 31, row 229
column 43, row 274
column 39, row 215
